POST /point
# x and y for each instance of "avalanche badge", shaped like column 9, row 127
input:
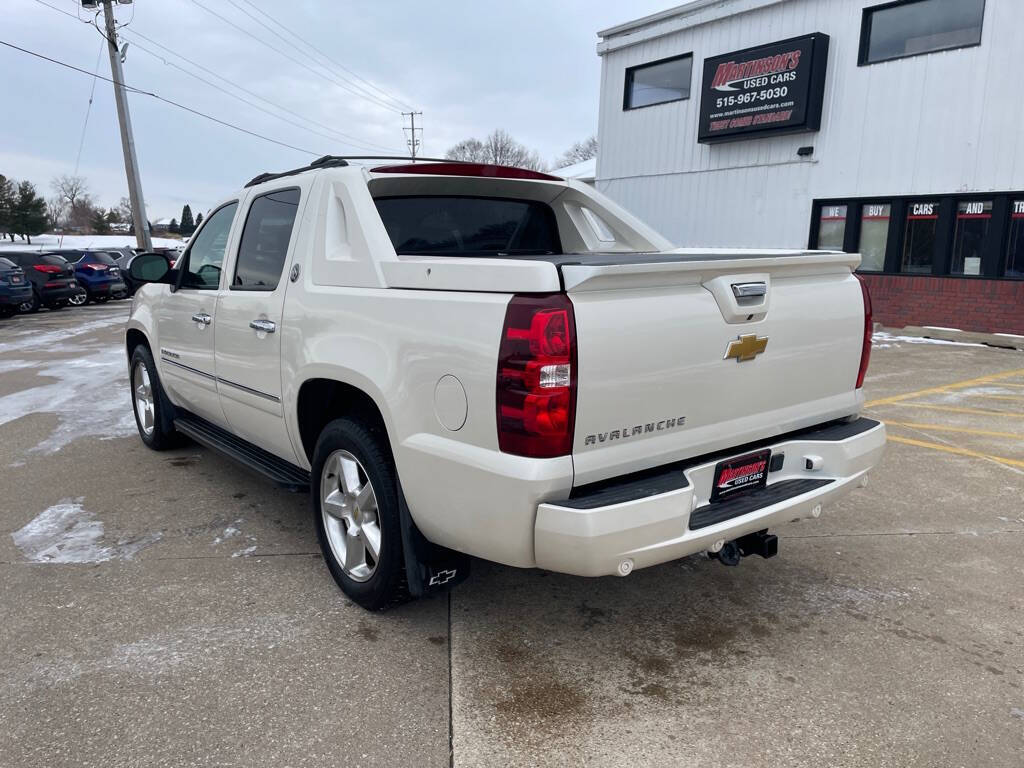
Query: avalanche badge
column 746, row 348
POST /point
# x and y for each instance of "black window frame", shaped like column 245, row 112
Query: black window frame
column 182, row 261
column 631, row 71
column 994, row 250
column 865, row 34
column 241, row 237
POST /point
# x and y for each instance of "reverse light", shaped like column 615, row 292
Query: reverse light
column 536, row 388
column 865, row 350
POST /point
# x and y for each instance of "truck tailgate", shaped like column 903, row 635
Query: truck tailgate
column 656, row 382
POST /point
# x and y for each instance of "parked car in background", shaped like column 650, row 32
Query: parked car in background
column 51, row 277
column 15, row 289
column 97, row 273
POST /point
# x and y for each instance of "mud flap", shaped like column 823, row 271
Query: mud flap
column 429, row 568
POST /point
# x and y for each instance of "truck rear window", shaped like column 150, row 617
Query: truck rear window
column 468, row 226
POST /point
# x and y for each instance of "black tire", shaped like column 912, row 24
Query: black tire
column 31, row 307
column 387, row 586
column 6, row 312
column 163, row 435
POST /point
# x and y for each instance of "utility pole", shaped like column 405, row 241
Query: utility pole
column 412, row 141
column 124, row 118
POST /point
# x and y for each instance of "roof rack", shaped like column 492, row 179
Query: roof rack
column 339, row 161
column 327, row 161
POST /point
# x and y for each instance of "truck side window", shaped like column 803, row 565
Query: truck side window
column 264, row 246
column 202, row 262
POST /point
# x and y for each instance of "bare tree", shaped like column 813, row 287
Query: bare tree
column 78, row 201
column 578, row 152
column 499, row 148
column 55, row 211
column 124, row 209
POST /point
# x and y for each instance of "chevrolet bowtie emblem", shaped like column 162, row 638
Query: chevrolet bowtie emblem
column 746, row 348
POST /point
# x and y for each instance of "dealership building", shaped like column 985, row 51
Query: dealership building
column 891, row 129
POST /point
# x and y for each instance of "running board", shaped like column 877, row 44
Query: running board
column 281, row 472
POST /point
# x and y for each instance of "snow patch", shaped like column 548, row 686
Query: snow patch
column 89, row 397
column 244, row 552
column 229, row 533
column 34, row 339
column 67, row 533
column 882, row 337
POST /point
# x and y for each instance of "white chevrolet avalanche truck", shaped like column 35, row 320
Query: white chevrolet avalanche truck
column 464, row 360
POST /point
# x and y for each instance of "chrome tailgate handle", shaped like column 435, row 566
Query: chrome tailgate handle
column 749, row 290
column 262, row 325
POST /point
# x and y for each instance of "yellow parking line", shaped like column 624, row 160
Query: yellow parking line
column 957, row 451
column 956, row 385
column 1011, row 384
column 945, row 428
column 955, row 409
column 1016, row 398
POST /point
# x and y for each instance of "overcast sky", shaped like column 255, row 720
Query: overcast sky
column 528, row 66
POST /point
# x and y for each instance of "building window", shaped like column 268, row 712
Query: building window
column 919, row 241
column 913, row 27
column 832, row 227
column 874, row 236
column 658, row 82
column 973, row 219
column 1015, row 248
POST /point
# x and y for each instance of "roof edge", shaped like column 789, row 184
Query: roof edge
column 691, row 14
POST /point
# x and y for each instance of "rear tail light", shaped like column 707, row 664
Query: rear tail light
column 537, row 377
column 95, row 267
column 49, row 269
column 865, row 350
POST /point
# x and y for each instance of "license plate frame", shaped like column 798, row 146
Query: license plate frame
column 746, row 473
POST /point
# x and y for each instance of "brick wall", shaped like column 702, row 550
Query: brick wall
column 970, row 304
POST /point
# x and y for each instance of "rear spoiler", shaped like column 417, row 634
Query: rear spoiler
column 593, row 272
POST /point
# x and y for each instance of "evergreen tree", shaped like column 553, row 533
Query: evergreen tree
column 199, row 220
column 187, row 225
column 98, row 222
column 173, row 227
column 29, row 212
column 7, row 201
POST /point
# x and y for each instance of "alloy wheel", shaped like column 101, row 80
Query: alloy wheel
column 350, row 516
column 142, row 394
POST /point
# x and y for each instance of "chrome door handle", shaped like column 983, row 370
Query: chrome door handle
column 266, row 326
column 202, row 318
column 749, row 290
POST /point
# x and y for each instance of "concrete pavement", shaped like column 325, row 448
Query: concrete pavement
column 172, row 609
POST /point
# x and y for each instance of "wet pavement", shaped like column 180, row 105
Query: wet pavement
column 172, row 609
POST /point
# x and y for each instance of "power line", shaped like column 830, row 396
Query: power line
column 328, row 77
column 305, row 42
column 88, row 109
column 348, row 138
column 141, row 92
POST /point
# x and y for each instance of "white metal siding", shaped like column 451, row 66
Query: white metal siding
column 938, row 123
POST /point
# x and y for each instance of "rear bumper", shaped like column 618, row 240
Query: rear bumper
column 666, row 516
column 48, row 295
column 15, row 296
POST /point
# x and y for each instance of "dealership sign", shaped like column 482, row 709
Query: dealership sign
column 770, row 89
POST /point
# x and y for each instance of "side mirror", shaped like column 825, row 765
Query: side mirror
column 149, row 268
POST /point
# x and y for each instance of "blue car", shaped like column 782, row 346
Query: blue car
column 97, row 273
column 15, row 289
